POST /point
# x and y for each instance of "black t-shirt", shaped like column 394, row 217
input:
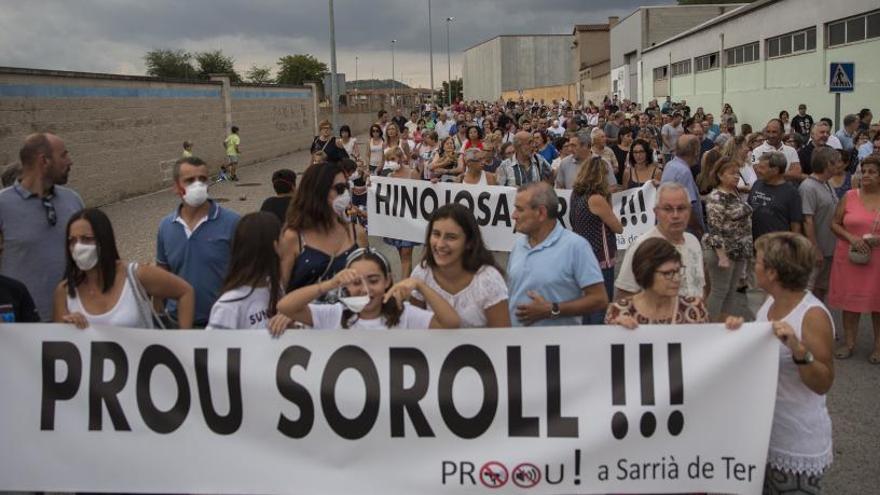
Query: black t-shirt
column 333, row 150
column 805, row 155
column 774, row 208
column 621, row 155
column 16, row 304
column 277, row 205
column 802, row 125
column 400, row 121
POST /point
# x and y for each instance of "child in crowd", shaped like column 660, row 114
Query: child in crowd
column 369, row 300
column 232, row 144
column 187, row 149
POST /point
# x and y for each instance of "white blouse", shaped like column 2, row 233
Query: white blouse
column 486, row 289
column 800, row 441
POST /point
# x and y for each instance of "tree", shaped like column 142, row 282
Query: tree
column 259, row 74
column 176, row 64
column 457, row 86
column 214, row 62
column 297, row 69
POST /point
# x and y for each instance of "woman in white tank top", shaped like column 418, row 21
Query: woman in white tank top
column 97, row 290
column 474, row 173
column 800, row 441
column 377, row 147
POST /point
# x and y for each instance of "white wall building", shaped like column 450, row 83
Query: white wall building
column 768, row 56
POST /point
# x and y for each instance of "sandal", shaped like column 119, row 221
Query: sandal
column 844, row 352
column 874, row 358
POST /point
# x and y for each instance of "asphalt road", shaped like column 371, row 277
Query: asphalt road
column 854, row 400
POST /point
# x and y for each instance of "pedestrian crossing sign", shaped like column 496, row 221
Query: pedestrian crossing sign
column 843, row 78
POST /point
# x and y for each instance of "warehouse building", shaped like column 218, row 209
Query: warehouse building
column 644, row 28
column 592, row 50
column 510, row 66
column 767, row 56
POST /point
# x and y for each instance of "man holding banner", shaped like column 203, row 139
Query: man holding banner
column 554, row 276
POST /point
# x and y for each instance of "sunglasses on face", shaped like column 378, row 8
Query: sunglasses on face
column 340, row 187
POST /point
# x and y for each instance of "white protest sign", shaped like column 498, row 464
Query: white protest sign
column 400, row 209
column 661, row 409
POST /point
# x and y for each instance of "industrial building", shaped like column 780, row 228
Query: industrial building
column 510, row 66
column 591, row 44
column 767, row 56
column 647, row 27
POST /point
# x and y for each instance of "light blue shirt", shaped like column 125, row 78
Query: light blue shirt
column 865, row 150
column 846, row 140
column 558, row 269
column 679, row 171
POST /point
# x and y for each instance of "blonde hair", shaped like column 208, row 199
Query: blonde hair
column 325, row 123
column 592, row 178
column 790, row 255
column 392, row 153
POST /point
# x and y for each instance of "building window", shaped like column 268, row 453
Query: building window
column 706, row 62
column 854, row 29
column 792, row 43
column 681, row 68
column 661, row 73
column 742, row 54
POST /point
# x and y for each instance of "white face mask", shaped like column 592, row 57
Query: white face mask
column 355, row 303
column 196, row 194
column 340, row 204
column 392, row 166
column 85, row 256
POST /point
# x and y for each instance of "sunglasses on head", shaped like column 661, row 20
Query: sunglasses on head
column 340, row 187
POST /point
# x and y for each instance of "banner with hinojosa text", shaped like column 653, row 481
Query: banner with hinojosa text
column 662, row 409
column 400, row 209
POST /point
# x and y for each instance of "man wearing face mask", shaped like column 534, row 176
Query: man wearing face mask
column 194, row 241
column 33, row 217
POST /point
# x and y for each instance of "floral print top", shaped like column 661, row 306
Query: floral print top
column 689, row 310
column 729, row 221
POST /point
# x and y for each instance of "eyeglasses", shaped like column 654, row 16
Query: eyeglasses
column 675, row 273
column 51, row 215
column 669, row 210
column 340, row 187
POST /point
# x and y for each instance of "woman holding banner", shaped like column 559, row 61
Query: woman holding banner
column 658, row 270
column 100, row 289
column 474, row 174
column 457, row 266
column 593, row 219
column 800, row 440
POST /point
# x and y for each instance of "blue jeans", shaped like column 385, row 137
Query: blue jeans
column 598, row 317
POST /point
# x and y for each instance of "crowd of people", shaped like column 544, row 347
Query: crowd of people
column 785, row 215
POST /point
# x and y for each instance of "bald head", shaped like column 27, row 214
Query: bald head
column 687, row 148
column 34, row 146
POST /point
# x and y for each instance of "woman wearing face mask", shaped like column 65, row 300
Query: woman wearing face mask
column 457, row 265
column 317, row 236
column 369, row 300
column 253, row 284
column 100, row 289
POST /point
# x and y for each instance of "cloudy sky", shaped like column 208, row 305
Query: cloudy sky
column 113, row 35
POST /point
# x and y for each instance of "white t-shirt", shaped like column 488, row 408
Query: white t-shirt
column 242, row 308
column 791, row 155
column 691, row 258
column 486, row 289
column 329, row 317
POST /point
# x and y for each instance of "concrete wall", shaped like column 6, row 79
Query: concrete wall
column 481, row 71
column 548, row 93
column 536, row 61
column 759, row 90
column 626, row 36
column 124, row 133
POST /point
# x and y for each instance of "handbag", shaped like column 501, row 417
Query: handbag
column 149, row 317
column 857, row 257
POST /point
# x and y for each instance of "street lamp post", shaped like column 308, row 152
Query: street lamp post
column 334, row 88
column 393, row 84
column 449, row 59
column 431, row 49
column 356, row 82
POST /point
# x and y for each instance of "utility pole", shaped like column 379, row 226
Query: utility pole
column 334, row 88
column 356, row 82
column 449, row 59
column 393, row 83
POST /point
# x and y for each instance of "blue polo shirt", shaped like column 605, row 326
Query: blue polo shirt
column 201, row 257
column 35, row 251
column 558, row 269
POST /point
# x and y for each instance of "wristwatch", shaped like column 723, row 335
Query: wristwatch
column 807, row 359
column 554, row 311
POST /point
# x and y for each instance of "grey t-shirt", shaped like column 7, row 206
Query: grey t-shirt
column 670, row 134
column 567, row 172
column 611, row 130
column 820, row 201
column 34, row 250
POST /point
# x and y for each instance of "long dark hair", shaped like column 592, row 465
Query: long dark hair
column 389, row 310
column 475, row 255
column 649, row 152
column 254, row 260
column 108, row 255
column 309, row 208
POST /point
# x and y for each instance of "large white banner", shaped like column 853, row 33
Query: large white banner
column 661, row 409
column 400, row 209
